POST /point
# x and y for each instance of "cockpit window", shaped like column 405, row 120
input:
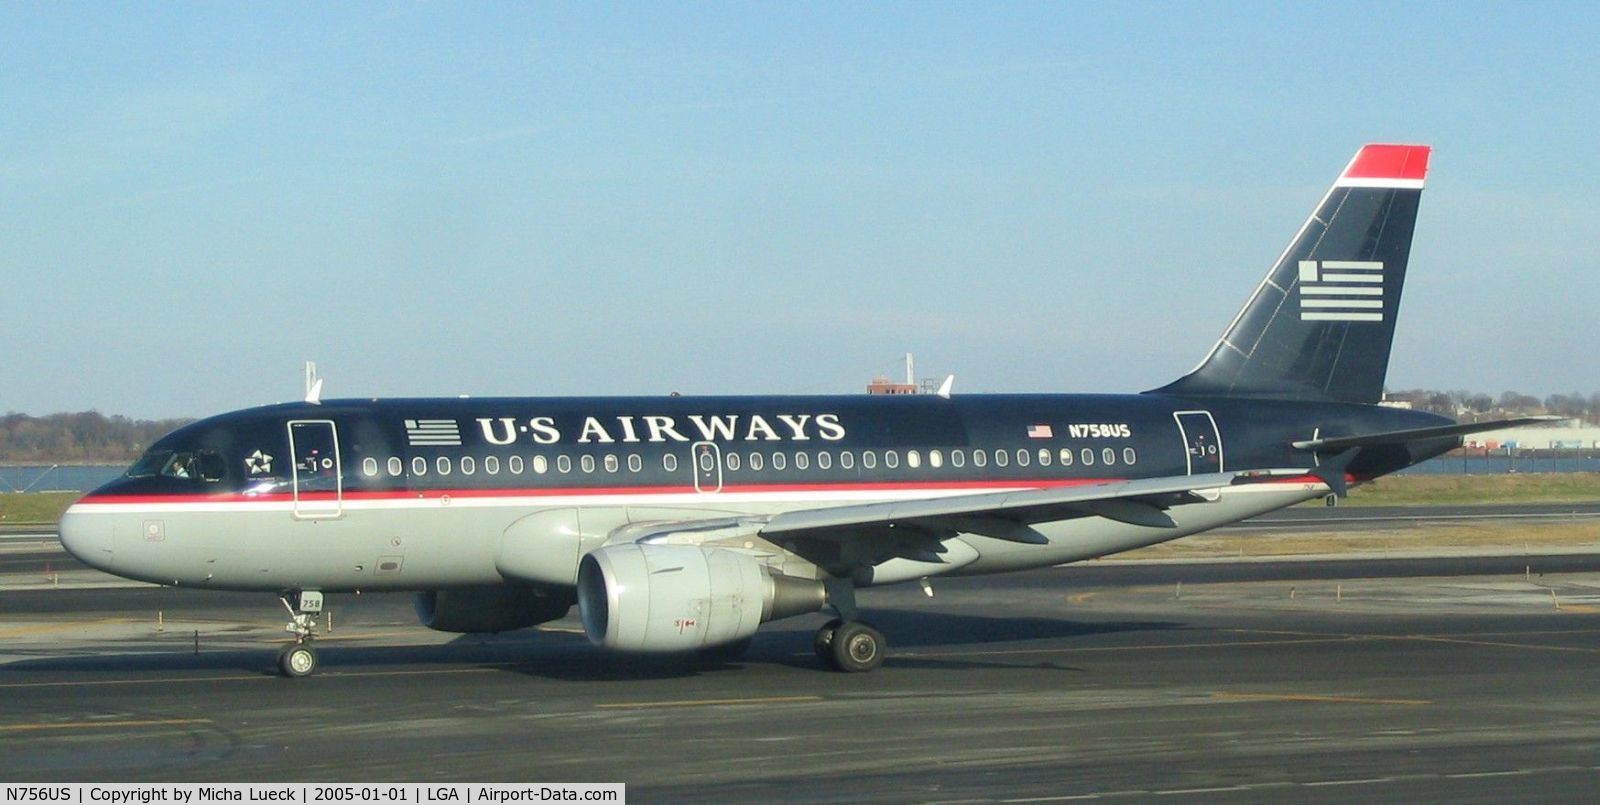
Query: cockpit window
column 203, row 465
column 149, row 464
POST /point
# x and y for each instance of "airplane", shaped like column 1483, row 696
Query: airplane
column 681, row 524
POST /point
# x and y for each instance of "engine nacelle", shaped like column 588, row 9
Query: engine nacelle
column 490, row 609
column 658, row 598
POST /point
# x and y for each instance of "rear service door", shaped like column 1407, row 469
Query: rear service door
column 1201, row 441
column 318, row 472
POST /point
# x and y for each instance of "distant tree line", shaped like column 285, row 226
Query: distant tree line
column 1471, row 405
column 85, row 437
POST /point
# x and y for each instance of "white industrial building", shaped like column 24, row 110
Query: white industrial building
column 1569, row 435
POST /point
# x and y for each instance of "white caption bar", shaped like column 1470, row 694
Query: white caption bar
column 312, row 793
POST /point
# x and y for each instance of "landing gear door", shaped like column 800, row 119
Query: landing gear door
column 707, row 460
column 1201, row 441
column 318, row 473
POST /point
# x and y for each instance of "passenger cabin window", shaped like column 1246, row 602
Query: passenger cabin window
column 587, row 463
column 1087, row 454
column 979, row 458
column 468, row 465
column 515, row 465
column 824, row 461
column 1128, row 456
column 958, row 458
column 778, row 461
column 869, row 459
column 369, row 466
column 935, row 459
column 1044, row 457
column 1066, row 456
column 1109, row 456
column 756, row 461
column 635, row 463
column 396, row 466
column 732, row 460
column 669, row 462
column 847, row 459
column 1022, row 458
column 891, row 459
column 801, row 461
column 1001, row 459
column 491, row 465
column 913, row 459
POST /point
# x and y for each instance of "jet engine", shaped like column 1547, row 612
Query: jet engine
column 490, row 609
column 659, row 598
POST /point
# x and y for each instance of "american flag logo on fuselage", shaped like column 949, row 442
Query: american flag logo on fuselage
column 433, row 433
column 1341, row 290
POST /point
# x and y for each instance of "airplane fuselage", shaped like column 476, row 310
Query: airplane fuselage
column 434, row 493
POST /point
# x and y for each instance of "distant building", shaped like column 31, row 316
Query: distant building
column 1557, row 436
column 883, row 385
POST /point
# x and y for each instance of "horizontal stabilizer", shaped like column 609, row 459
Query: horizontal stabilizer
column 1334, row 444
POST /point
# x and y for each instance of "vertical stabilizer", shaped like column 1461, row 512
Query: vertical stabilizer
column 1321, row 323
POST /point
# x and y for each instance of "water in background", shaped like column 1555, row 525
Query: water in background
column 45, row 478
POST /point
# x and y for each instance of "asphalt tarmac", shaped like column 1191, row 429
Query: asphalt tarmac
column 1403, row 680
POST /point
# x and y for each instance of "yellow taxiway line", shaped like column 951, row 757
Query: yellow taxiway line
column 707, row 702
column 1314, row 697
column 79, row 725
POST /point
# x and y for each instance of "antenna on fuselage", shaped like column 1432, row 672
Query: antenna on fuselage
column 313, row 384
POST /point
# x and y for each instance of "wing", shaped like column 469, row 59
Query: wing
column 843, row 539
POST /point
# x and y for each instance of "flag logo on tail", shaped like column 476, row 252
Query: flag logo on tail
column 433, row 433
column 1341, row 290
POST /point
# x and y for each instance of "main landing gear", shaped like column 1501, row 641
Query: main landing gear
column 845, row 643
column 299, row 659
column 851, row 646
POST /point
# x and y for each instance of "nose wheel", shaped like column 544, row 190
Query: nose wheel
column 299, row 658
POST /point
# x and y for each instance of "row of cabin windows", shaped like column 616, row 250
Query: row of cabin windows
column 756, row 462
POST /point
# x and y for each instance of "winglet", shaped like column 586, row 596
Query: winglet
column 1383, row 165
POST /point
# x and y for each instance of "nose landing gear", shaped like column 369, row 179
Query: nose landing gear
column 299, row 659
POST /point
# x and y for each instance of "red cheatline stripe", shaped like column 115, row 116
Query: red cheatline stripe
column 1390, row 162
column 435, row 494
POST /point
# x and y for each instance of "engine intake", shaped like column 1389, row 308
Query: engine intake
column 658, row 598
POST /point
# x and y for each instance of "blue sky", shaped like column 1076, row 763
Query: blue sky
column 441, row 199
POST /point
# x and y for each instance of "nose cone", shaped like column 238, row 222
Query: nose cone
column 86, row 536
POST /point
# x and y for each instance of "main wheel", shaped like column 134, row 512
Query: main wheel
column 857, row 647
column 822, row 642
column 297, row 661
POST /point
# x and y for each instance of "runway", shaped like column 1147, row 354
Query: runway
column 1268, row 681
